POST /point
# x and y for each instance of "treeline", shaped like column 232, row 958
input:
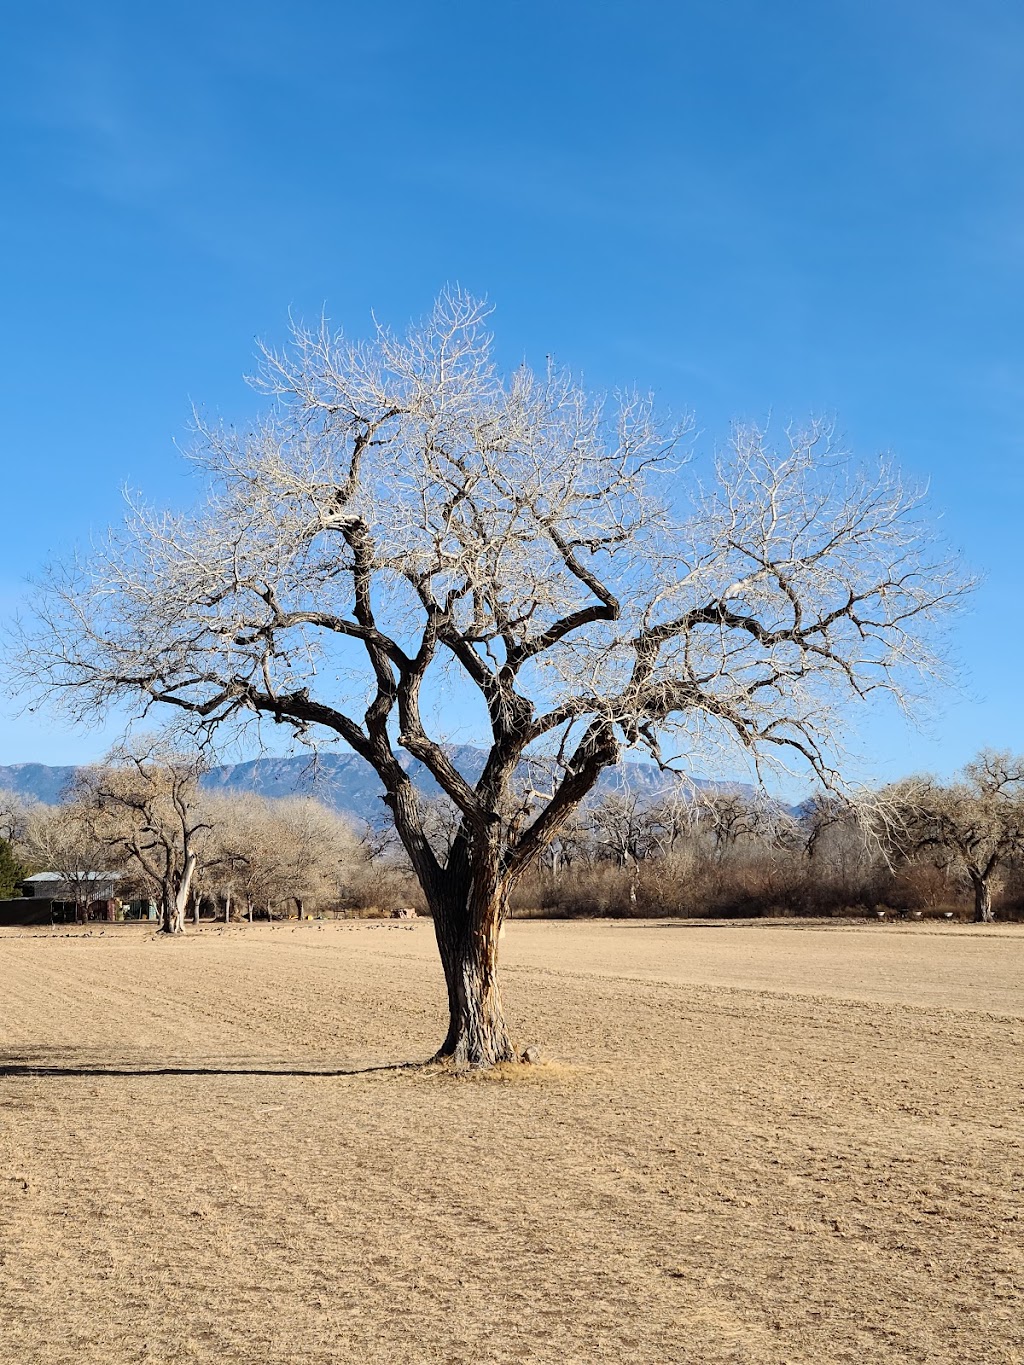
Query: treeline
column 732, row 856
column 916, row 848
column 144, row 816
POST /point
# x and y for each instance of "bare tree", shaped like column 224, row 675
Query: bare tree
column 622, row 828
column 63, row 839
column 235, row 866
column 570, row 845
column 13, row 824
column 624, row 833
column 404, row 519
column 726, row 817
column 974, row 825
column 843, row 861
column 319, row 847
column 671, row 820
column 268, row 853
column 14, row 814
column 145, row 808
column 824, row 813
column 376, row 843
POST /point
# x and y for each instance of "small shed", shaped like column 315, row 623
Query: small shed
column 61, row 899
column 59, row 886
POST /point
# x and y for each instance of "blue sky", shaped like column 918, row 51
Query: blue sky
column 751, row 208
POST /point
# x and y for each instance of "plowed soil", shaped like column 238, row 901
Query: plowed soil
column 749, row 1143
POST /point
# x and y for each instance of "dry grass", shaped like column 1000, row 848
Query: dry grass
column 752, row 1144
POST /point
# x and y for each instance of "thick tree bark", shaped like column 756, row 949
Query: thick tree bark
column 173, row 919
column 982, row 900
column 467, row 922
column 176, row 902
column 468, row 895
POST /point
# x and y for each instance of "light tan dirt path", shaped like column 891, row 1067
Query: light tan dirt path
column 787, row 1145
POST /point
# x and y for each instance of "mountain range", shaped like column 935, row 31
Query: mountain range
column 342, row 781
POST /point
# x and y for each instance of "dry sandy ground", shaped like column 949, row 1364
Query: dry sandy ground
column 754, row 1144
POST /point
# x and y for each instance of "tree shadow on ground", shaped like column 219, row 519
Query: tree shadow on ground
column 751, row 922
column 57, row 1062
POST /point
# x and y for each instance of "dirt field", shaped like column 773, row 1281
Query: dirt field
column 753, row 1144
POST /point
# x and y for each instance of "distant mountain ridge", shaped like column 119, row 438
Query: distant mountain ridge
column 343, row 781
column 36, row 781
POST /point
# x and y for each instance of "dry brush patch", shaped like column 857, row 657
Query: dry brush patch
column 211, row 1150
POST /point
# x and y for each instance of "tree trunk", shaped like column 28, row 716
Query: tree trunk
column 227, row 908
column 467, row 928
column 173, row 919
column 175, row 903
column 982, row 900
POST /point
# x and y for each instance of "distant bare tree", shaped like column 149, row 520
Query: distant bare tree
column 63, row 839
column 13, row 824
column 726, row 817
column 14, row 814
column 824, row 812
column 623, row 833
column 272, row 852
column 844, row 865
column 671, row 820
column 320, row 847
column 974, row 825
column 569, row 846
column 145, row 807
column 622, row 828
column 238, row 852
column 378, row 842
column 441, row 820
column 405, row 520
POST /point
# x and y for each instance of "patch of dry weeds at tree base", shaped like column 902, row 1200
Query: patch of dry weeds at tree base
column 217, row 1151
column 515, row 1073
